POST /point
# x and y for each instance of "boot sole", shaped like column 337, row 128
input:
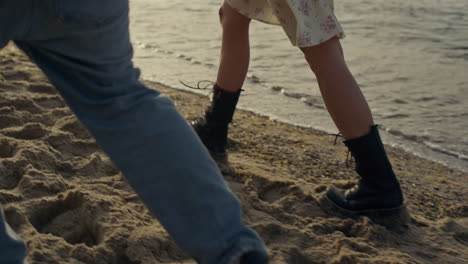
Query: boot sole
column 396, row 219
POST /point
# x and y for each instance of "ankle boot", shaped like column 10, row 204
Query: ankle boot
column 213, row 128
column 378, row 194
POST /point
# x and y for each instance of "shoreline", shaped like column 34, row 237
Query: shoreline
column 444, row 158
column 64, row 197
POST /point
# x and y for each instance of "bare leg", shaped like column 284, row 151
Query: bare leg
column 341, row 94
column 234, row 63
column 235, row 50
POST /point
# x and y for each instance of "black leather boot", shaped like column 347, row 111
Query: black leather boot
column 378, row 194
column 213, row 128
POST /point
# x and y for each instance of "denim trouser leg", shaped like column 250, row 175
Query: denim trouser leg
column 12, row 249
column 89, row 61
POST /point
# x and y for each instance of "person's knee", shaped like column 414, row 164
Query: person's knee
column 323, row 55
column 229, row 17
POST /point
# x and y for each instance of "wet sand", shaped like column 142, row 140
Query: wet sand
column 71, row 205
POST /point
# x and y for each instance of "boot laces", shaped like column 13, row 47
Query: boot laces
column 349, row 156
column 202, row 85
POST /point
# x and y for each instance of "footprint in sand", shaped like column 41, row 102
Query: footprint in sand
column 457, row 228
column 7, row 148
column 273, row 191
column 290, row 198
column 11, row 172
column 29, row 131
column 66, row 216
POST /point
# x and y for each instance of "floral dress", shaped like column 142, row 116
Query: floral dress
column 306, row 22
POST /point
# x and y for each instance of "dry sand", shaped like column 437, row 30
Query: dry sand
column 71, row 205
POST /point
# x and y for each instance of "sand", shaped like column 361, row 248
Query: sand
column 71, row 205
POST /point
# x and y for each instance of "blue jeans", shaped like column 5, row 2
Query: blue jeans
column 84, row 49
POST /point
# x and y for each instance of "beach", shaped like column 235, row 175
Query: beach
column 408, row 57
column 70, row 204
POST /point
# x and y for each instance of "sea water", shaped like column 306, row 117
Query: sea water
column 410, row 59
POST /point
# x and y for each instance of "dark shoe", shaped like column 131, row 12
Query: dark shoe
column 213, row 127
column 378, row 194
column 357, row 202
column 254, row 258
column 214, row 137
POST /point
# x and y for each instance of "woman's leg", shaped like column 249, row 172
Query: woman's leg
column 341, row 94
column 378, row 193
column 234, row 63
column 235, row 50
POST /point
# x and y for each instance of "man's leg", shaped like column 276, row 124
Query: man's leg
column 142, row 132
column 12, row 249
